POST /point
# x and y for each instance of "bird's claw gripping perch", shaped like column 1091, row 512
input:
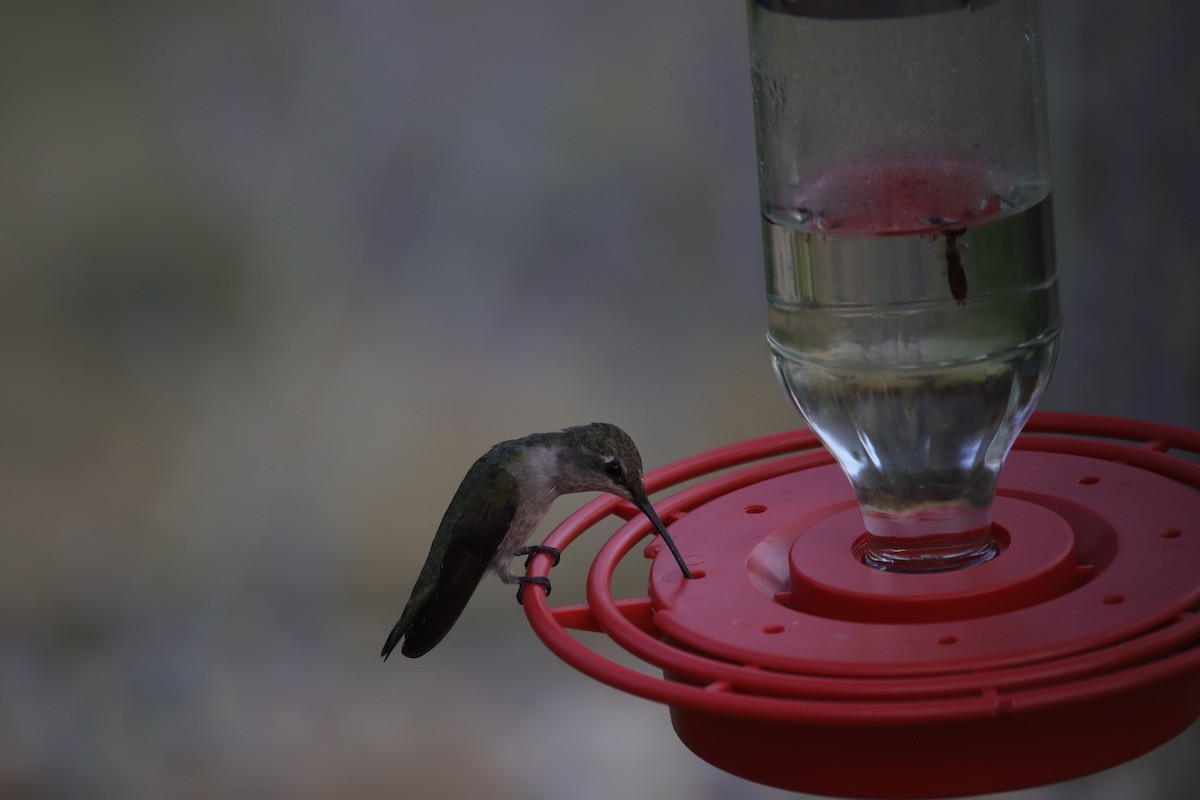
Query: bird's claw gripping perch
column 529, row 551
column 540, row 581
column 532, row 550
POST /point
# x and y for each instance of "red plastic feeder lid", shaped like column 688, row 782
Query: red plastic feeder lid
column 788, row 662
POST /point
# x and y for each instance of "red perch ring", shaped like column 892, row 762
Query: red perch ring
column 788, row 662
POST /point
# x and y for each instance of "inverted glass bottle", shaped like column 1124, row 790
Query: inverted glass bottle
column 913, row 306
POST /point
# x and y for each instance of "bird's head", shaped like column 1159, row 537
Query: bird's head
column 601, row 457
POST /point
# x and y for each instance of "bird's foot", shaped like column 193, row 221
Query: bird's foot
column 533, row 549
column 539, row 581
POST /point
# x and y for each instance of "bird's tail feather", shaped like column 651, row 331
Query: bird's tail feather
column 398, row 630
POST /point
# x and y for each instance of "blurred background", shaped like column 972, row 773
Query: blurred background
column 273, row 274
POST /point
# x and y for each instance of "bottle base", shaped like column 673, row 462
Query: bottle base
column 934, row 552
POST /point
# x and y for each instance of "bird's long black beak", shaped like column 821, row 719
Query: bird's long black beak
column 643, row 504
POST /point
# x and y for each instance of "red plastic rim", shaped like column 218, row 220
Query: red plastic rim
column 788, row 662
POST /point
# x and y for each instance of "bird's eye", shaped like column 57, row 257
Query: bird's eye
column 613, row 468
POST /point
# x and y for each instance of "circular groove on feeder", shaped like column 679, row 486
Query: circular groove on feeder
column 1103, row 643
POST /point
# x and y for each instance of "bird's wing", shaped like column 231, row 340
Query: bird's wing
column 477, row 520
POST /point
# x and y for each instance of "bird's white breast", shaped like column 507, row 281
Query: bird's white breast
column 535, row 472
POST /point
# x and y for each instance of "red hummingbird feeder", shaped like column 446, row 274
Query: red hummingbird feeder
column 789, row 662
column 913, row 598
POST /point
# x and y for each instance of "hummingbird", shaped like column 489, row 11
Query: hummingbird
column 497, row 507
